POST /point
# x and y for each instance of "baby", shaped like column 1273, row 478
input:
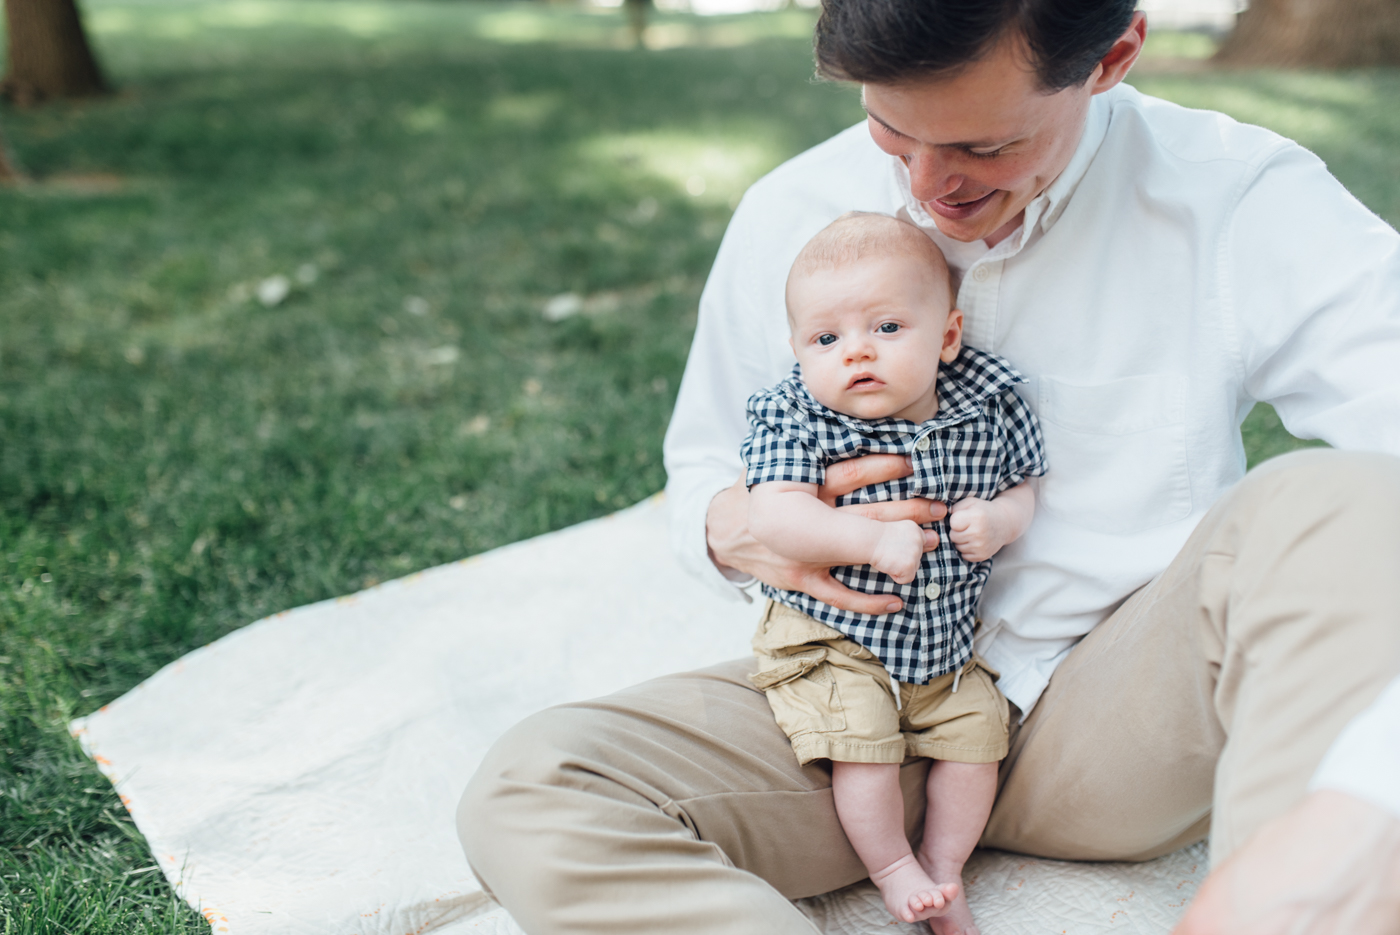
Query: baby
column 869, row 304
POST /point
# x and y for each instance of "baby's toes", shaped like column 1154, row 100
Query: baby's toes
column 925, row 900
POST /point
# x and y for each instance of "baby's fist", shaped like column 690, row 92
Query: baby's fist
column 899, row 551
column 975, row 527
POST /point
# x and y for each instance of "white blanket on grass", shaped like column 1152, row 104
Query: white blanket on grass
column 300, row 775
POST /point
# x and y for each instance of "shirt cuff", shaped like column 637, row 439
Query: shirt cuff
column 1364, row 760
column 688, row 542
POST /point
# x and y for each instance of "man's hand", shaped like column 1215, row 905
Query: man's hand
column 731, row 545
column 1330, row 866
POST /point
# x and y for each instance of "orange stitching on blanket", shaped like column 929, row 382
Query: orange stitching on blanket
column 216, row 919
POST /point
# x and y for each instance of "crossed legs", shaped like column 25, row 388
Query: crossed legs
column 677, row 805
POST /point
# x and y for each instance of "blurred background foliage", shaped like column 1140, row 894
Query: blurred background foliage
column 327, row 292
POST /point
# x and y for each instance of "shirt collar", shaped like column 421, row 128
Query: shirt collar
column 963, row 387
column 1045, row 209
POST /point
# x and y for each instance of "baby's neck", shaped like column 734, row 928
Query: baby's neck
column 919, row 412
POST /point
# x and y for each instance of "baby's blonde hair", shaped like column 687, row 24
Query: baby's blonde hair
column 859, row 235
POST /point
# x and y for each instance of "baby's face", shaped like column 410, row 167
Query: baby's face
column 869, row 336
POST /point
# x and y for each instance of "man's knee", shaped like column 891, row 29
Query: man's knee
column 511, row 785
column 1298, row 489
column 1312, row 471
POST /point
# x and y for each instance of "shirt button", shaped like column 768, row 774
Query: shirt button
column 933, row 590
column 980, row 274
column 922, row 444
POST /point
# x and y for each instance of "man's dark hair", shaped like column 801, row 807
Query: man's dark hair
column 894, row 41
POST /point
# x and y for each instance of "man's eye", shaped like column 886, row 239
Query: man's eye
column 888, row 327
column 826, row 339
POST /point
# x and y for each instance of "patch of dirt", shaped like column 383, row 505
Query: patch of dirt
column 84, row 183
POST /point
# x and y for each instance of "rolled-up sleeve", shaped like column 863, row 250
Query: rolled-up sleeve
column 781, row 445
column 1020, row 440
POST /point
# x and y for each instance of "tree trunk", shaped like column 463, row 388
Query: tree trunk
column 10, row 173
column 637, row 20
column 49, row 53
column 1315, row 34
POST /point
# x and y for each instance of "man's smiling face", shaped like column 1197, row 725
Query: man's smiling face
column 982, row 144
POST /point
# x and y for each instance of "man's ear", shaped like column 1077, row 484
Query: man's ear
column 952, row 337
column 1114, row 66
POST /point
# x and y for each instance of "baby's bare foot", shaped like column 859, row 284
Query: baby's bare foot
column 910, row 895
column 956, row 919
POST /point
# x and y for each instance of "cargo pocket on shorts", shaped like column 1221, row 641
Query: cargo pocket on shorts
column 803, row 694
column 792, row 667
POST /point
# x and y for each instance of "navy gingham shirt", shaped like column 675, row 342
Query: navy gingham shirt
column 983, row 440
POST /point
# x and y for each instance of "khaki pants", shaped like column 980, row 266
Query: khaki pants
column 1201, row 707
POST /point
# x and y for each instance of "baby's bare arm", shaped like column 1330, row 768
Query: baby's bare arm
column 981, row 528
column 789, row 519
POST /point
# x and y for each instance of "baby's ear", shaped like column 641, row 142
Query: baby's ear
column 952, row 337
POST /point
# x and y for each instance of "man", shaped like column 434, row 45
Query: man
column 1189, row 653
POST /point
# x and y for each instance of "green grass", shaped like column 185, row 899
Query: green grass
column 178, row 459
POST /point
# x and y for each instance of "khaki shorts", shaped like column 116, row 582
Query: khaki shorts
column 834, row 699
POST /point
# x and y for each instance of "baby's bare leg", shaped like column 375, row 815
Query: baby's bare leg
column 960, row 798
column 871, row 809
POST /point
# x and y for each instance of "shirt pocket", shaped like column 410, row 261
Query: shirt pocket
column 1116, row 452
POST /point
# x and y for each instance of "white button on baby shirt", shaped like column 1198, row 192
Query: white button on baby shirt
column 933, row 590
column 980, row 274
column 922, row 444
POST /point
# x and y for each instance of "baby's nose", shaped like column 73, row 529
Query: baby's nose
column 860, row 350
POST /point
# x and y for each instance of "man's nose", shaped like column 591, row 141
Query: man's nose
column 930, row 176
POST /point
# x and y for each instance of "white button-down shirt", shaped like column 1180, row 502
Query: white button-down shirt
column 1181, row 268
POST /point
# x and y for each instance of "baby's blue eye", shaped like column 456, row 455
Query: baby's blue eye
column 826, row 339
column 888, row 327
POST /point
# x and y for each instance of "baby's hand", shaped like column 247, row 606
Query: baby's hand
column 899, row 551
column 978, row 528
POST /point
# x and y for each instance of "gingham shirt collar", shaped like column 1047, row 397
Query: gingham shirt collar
column 964, row 386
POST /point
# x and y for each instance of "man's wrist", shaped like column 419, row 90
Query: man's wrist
column 740, row 578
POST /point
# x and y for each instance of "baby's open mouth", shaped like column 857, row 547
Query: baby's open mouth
column 862, row 381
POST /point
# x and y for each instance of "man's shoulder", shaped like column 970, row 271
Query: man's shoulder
column 1188, row 136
